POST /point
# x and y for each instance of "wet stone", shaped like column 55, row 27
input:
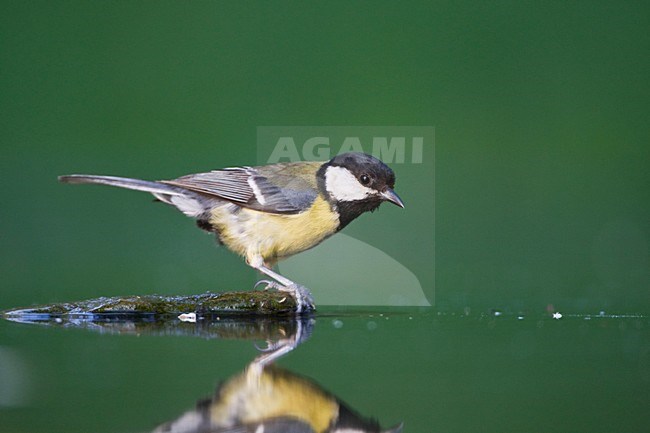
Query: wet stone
column 256, row 302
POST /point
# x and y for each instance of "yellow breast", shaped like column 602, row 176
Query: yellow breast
column 252, row 233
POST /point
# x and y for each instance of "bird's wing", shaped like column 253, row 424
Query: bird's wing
column 279, row 188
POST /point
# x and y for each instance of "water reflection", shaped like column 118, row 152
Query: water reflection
column 263, row 398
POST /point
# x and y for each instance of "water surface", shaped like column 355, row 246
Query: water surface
column 433, row 371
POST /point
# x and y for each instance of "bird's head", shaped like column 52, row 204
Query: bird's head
column 357, row 183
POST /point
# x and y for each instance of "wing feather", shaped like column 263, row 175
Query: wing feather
column 273, row 189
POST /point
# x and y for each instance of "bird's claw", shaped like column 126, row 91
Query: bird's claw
column 302, row 295
column 268, row 284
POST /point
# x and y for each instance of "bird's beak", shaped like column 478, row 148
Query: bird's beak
column 389, row 195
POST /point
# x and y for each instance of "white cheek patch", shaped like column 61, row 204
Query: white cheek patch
column 344, row 186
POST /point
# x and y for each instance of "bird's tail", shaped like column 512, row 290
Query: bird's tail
column 190, row 203
column 124, row 182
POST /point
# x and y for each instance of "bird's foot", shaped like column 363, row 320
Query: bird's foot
column 302, row 295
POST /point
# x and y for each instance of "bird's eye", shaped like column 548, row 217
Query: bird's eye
column 365, row 179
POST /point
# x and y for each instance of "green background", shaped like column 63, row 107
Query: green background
column 540, row 110
column 541, row 191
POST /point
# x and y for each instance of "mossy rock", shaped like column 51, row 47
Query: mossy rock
column 249, row 303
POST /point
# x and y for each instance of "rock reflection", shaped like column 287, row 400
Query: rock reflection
column 232, row 327
column 265, row 398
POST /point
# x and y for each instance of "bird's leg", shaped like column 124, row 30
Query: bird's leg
column 302, row 295
column 280, row 348
column 275, row 350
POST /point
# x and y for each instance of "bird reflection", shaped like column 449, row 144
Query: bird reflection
column 265, row 398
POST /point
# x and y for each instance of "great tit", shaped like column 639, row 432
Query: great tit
column 270, row 212
column 272, row 400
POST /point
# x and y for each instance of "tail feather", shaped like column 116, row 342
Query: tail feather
column 123, row 182
column 188, row 202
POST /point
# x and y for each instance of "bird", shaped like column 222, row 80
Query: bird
column 270, row 212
